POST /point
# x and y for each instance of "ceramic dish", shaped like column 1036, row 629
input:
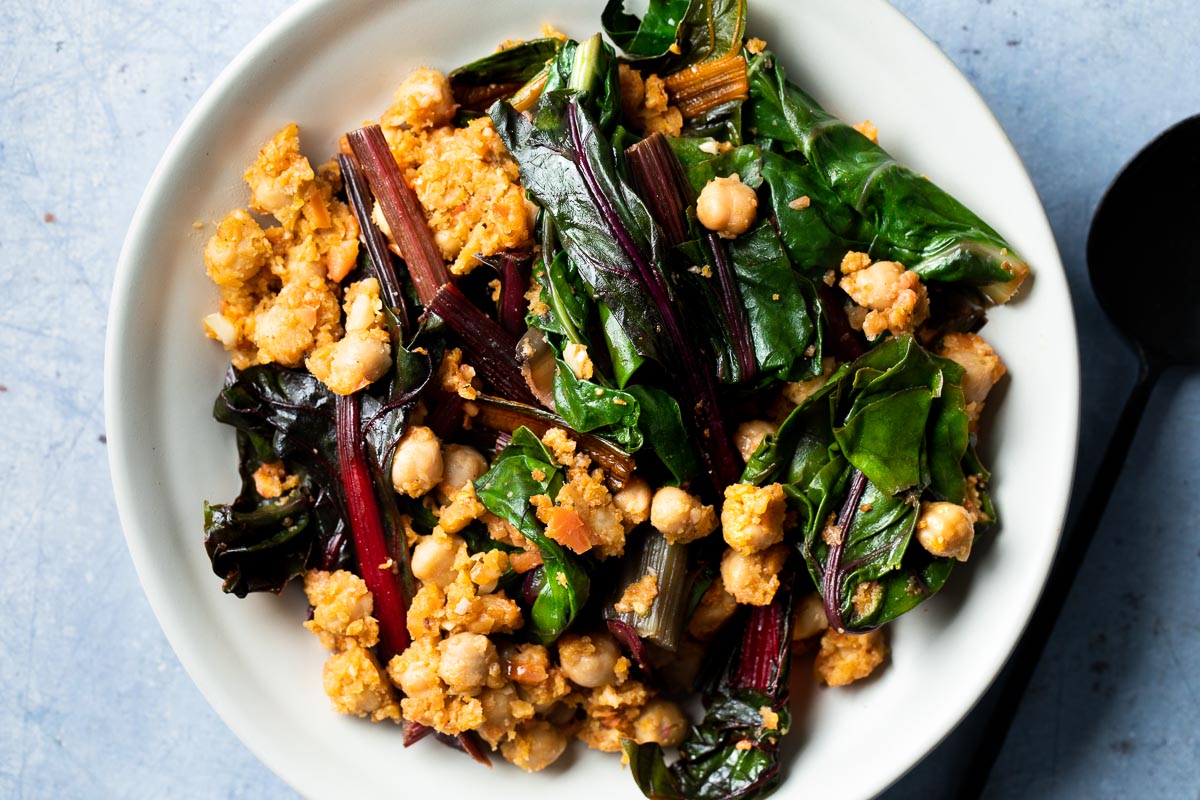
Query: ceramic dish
column 329, row 65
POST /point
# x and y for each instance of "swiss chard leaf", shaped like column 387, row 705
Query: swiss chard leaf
column 820, row 234
column 568, row 166
column 780, row 303
column 661, row 424
column 524, row 469
column 622, row 353
column 676, row 33
column 914, row 221
column 896, row 416
column 258, row 544
column 516, row 64
column 653, row 35
column 589, row 407
column 589, row 68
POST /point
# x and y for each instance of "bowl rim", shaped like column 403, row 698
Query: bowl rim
column 120, row 450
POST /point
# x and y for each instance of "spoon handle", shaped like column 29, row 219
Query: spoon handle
column 1073, row 550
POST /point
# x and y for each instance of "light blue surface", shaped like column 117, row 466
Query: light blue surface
column 93, row 702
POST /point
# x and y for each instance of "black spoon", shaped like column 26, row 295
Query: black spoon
column 1143, row 272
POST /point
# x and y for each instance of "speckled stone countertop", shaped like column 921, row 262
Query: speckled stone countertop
column 93, row 702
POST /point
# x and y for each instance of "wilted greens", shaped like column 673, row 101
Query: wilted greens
column 638, row 336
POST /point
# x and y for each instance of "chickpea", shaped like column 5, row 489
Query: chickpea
column 424, row 99
column 577, row 358
column 727, row 206
column 982, row 368
column 468, row 661
column 498, row 713
column 589, row 660
column 535, row 746
column 237, row 251
column 433, row 559
column 358, row 360
column 752, row 516
column 661, row 721
column 415, row 670
column 680, row 516
column 417, row 465
column 946, row 529
column 753, row 579
column 460, row 465
column 749, row 436
column 715, row 608
column 633, row 501
column 809, row 617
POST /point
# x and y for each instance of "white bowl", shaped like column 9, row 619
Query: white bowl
column 329, row 65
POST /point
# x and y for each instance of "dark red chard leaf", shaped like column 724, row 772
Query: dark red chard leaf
column 401, row 209
column 381, row 265
column 513, row 269
column 831, row 583
column 488, row 347
column 660, row 182
column 374, row 558
column 613, row 242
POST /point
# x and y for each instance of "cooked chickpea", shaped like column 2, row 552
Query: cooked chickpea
column 749, row 436
column 415, row 670
column 425, row 99
column 499, row 717
column 237, row 250
column 752, row 516
column 982, row 368
column 577, row 358
column 715, row 608
column 433, row 558
column 661, row 721
column 535, row 746
column 417, row 466
column 460, row 465
column 809, row 617
column 589, row 660
column 633, row 501
column 727, row 206
column 467, row 661
column 945, row 529
column 680, row 516
column 753, row 579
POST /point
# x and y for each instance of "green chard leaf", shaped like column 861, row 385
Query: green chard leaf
column 564, row 160
column 524, row 469
column 781, row 304
column 590, row 407
column 650, row 37
column 819, row 235
column 913, row 220
column 589, row 68
column 661, row 424
column 676, row 33
column 516, row 64
column 896, row 416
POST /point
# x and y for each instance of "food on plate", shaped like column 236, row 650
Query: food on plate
column 591, row 379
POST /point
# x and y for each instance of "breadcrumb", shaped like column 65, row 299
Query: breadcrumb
column 848, row 657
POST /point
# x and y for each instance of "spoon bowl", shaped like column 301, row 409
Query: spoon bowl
column 1139, row 251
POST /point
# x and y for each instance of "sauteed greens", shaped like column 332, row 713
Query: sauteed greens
column 594, row 376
